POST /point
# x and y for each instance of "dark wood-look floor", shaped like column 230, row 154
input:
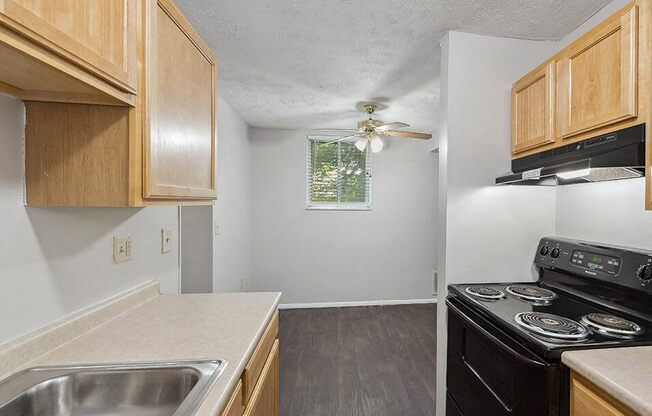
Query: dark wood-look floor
column 368, row 361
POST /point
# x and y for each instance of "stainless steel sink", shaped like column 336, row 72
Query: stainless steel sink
column 151, row 389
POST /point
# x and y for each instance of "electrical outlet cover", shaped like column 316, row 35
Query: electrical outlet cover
column 130, row 248
column 121, row 249
column 166, row 240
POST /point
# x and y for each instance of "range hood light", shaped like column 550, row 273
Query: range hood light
column 574, row 174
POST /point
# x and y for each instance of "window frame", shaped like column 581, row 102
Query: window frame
column 335, row 206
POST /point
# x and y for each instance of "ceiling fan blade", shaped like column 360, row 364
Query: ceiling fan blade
column 331, row 132
column 391, row 126
column 408, row 134
column 344, row 138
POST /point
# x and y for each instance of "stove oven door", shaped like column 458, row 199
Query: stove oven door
column 490, row 374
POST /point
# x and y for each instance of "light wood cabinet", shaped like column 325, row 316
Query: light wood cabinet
column 256, row 394
column 181, row 109
column 533, row 109
column 597, row 76
column 254, row 368
column 160, row 151
column 594, row 86
column 69, row 50
column 588, row 400
column 602, row 82
column 264, row 399
column 235, row 406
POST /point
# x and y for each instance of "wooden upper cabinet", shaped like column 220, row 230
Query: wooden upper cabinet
column 63, row 41
column 160, row 150
column 533, row 108
column 597, row 76
column 179, row 161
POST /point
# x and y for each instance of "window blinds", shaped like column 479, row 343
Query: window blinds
column 338, row 175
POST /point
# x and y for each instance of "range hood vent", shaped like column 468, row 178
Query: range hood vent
column 613, row 156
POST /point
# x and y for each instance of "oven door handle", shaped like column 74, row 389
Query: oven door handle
column 514, row 354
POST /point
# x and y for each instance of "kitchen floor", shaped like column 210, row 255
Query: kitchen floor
column 367, row 361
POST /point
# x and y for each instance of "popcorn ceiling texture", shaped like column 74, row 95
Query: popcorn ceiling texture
column 302, row 64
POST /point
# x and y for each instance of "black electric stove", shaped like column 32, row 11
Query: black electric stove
column 506, row 339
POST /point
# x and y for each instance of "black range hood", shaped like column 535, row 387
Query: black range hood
column 616, row 155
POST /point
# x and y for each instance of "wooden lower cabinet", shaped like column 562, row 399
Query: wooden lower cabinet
column 235, row 407
column 588, row 400
column 257, row 392
column 264, row 399
column 255, row 367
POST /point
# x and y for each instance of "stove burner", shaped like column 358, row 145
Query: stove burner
column 485, row 292
column 531, row 293
column 611, row 326
column 552, row 326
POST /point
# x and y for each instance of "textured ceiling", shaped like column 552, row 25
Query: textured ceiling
column 303, row 64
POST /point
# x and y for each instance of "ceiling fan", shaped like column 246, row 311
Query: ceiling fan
column 369, row 131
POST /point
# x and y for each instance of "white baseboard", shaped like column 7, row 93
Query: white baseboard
column 353, row 304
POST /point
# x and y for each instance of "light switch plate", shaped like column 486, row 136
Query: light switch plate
column 166, row 240
column 123, row 249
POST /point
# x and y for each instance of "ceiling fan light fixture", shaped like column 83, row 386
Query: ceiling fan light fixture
column 377, row 144
column 361, row 145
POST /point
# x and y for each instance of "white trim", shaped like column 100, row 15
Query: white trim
column 339, row 207
column 352, row 304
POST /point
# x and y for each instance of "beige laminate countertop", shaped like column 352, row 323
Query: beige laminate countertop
column 172, row 327
column 624, row 373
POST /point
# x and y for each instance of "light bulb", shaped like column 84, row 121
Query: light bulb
column 361, row 145
column 574, row 174
column 377, row 144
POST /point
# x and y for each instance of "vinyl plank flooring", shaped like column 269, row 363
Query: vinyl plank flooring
column 367, row 361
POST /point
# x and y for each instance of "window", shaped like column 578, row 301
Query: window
column 338, row 176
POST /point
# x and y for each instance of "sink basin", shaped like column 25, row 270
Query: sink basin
column 151, row 389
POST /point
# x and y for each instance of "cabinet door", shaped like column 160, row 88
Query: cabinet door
column 586, row 401
column 235, row 407
column 264, row 400
column 180, row 144
column 597, row 76
column 99, row 36
column 533, row 109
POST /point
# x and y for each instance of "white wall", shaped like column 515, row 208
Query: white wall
column 196, row 249
column 55, row 261
column 488, row 225
column 326, row 256
column 232, row 212
column 487, row 233
column 608, row 212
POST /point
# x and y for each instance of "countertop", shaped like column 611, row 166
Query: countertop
column 624, row 373
column 171, row 327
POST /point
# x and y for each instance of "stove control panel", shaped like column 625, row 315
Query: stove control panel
column 625, row 267
column 594, row 261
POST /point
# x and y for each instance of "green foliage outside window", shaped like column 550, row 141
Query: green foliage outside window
column 338, row 174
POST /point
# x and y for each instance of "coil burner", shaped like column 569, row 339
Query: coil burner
column 611, row 326
column 485, row 292
column 552, row 326
column 531, row 293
